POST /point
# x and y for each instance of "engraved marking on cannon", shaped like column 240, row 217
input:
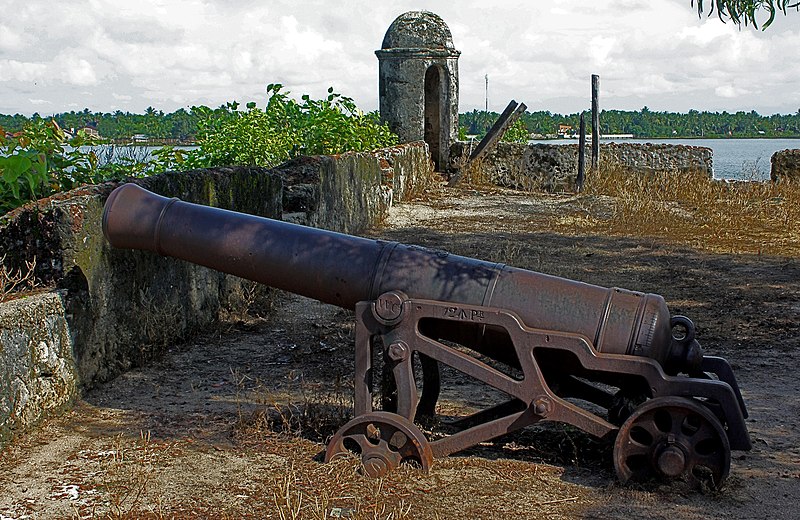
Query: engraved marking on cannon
column 389, row 307
column 464, row 314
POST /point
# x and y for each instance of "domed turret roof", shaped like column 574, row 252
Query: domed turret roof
column 418, row 30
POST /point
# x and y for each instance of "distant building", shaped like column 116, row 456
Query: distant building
column 565, row 131
column 90, row 132
column 140, row 138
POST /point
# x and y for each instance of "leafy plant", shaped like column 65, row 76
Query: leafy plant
column 518, row 133
column 746, row 11
column 284, row 129
column 39, row 161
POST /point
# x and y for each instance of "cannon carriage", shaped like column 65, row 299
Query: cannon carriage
column 547, row 344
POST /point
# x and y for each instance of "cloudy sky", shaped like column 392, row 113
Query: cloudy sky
column 113, row 55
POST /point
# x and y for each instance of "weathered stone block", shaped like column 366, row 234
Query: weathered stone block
column 785, row 166
column 37, row 372
column 352, row 191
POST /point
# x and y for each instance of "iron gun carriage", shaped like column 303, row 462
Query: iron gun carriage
column 610, row 362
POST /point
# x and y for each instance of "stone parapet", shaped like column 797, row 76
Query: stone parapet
column 109, row 310
column 123, row 307
column 554, row 167
column 350, row 192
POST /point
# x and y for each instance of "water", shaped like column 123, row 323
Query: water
column 733, row 158
column 119, row 153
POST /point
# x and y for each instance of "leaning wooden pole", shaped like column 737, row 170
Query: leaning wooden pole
column 509, row 116
column 595, row 121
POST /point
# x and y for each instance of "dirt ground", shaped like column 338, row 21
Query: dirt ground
column 232, row 425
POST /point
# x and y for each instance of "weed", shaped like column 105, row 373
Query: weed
column 128, row 474
column 15, row 281
column 471, row 173
column 160, row 319
column 299, row 409
column 321, row 491
column 248, row 301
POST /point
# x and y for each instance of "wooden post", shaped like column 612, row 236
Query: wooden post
column 509, row 116
column 595, row 121
column 581, row 155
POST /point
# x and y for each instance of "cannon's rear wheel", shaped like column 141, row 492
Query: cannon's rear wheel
column 383, row 440
column 673, row 438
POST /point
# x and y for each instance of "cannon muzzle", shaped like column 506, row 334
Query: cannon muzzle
column 343, row 270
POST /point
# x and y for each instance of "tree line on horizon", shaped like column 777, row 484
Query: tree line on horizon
column 183, row 124
column 646, row 123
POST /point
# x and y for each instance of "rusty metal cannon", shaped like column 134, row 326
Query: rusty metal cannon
column 610, row 362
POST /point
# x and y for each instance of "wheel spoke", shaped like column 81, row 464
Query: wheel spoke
column 382, row 450
column 634, row 448
column 704, row 433
column 678, row 417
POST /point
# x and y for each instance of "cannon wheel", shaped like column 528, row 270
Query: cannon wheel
column 384, row 440
column 673, row 437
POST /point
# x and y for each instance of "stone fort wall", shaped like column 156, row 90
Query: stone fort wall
column 105, row 311
column 554, row 167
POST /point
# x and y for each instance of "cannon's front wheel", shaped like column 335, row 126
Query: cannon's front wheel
column 673, row 438
column 383, row 440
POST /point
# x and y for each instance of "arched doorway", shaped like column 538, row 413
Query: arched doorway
column 433, row 112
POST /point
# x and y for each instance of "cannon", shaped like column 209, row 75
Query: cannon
column 611, row 362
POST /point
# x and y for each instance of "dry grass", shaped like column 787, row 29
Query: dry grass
column 335, row 490
column 300, row 408
column 691, row 209
column 16, row 281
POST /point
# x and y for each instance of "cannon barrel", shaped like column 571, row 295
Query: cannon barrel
column 342, row 270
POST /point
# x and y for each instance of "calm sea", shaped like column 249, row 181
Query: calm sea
column 733, row 158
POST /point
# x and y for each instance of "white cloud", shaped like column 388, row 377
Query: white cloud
column 10, row 39
column 600, row 49
column 13, row 70
column 730, row 91
column 186, row 52
column 77, row 71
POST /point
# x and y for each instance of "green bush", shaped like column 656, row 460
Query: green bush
column 37, row 162
column 518, row 133
column 40, row 161
column 285, row 129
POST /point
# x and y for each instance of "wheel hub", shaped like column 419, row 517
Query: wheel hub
column 672, row 461
column 375, row 465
